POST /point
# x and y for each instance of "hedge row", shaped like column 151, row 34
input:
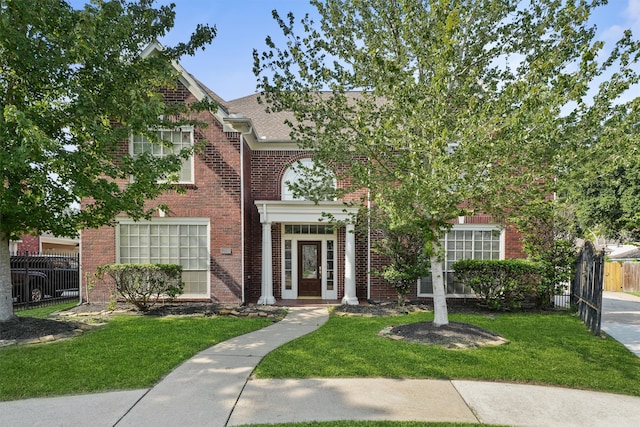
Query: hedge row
column 501, row 284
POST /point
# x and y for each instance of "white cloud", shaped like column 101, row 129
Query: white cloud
column 616, row 17
column 632, row 14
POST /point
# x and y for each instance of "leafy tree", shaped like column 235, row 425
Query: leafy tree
column 447, row 104
column 404, row 246
column 73, row 87
column 548, row 239
column 606, row 203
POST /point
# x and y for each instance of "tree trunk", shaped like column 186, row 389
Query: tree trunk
column 441, row 316
column 6, row 301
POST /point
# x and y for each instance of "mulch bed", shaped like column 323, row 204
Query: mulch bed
column 455, row 335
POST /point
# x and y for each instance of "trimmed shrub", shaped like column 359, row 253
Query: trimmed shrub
column 500, row 284
column 144, row 284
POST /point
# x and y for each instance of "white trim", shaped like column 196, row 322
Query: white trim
column 302, row 211
column 172, row 221
column 275, row 145
column 266, row 294
column 350, row 297
column 323, row 239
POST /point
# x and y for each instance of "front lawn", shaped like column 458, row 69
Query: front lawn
column 548, row 348
column 129, row 352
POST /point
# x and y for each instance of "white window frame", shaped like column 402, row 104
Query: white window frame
column 162, row 148
column 467, row 227
column 181, row 222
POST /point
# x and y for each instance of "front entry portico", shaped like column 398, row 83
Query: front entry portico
column 309, row 250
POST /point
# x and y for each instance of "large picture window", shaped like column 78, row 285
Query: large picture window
column 182, row 138
column 463, row 242
column 169, row 242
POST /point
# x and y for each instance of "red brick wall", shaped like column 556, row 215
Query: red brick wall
column 513, row 243
column 381, row 291
column 267, row 170
column 29, row 244
column 248, row 238
column 215, row 195
column 97, row 247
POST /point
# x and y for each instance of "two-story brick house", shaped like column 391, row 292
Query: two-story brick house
column 239, row 233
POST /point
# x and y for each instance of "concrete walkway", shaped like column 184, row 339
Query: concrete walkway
column 621, row 319
column 215, row 388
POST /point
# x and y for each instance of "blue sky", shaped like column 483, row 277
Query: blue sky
column 226, row 65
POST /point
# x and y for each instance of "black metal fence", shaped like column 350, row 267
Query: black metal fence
column 44, row 279
column 586, row 288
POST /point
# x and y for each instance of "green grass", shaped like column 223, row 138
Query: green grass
column 554, row 349
column 129, row 352
column 44, row 312
column 635, row 293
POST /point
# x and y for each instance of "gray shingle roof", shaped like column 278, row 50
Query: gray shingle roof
column 271, row 126
column 268, row 126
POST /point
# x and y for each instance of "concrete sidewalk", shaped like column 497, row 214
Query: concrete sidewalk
column 215, row 388
column 621, row 319
column 280, row 401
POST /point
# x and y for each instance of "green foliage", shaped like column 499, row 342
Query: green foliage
column 431, row 106
column 501, row 284
column 405, row 246
column 144, row 284
column 547, row 239
column 71, row 90
column 74, row 86
column 607, row 203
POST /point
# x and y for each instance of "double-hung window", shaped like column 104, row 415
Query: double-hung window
column 465, row 242
column 169, row 241
column 179, row 139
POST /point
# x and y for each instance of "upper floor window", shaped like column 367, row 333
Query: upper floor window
column 306, row 180
column 180, row 138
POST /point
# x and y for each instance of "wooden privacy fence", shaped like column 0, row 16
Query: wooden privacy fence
column 586, row 288
column 622, row 276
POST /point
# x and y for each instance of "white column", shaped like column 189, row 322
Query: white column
column 267, row 266
column 350, row 267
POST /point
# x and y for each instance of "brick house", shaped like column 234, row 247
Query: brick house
column 45, row 243
column 239, row 233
